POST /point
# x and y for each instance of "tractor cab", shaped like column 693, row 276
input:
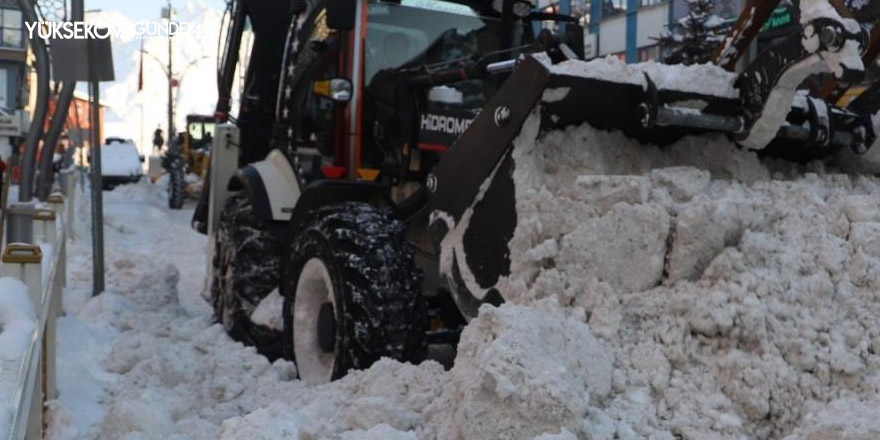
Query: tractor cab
column 374, row 108
column 197, row 141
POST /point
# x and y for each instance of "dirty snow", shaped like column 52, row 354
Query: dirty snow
column 696, row 292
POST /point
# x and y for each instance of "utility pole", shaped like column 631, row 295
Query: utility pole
column 97, row 187
column 170, row 16
column 89, row 60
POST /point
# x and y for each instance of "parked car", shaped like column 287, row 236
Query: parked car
column 121, row 162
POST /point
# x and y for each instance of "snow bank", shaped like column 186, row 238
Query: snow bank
column 17, row 324
column 736, row 296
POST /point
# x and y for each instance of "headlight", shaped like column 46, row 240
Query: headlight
column 337, row 89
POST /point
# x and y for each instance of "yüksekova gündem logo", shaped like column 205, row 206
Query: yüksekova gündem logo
column 79, row 30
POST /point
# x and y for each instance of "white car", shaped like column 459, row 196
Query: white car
column 120, row 162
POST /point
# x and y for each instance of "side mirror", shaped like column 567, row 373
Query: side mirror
column 142, row 158
column 341, row 14
column 336, row 89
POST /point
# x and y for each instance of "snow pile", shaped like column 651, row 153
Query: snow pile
column 733, row 305
column 520, row 373
column 842, row 419
column 17, row 324
column 386, row 401
column 694, row 292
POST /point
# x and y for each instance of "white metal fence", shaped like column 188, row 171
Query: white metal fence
column 41, row 266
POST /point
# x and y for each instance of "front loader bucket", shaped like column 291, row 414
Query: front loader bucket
column 473, row 200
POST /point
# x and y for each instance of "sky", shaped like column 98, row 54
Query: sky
column 142, row 9
column 134, row 113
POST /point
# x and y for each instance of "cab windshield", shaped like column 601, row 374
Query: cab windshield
column 201, row 130
column 418, row 32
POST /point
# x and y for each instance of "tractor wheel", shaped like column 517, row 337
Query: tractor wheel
column 245, row 271
column 351, row 294
column 176, row 186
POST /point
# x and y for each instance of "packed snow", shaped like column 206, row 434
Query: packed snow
column 17, row 325
column 693, row 292
column 705, row 79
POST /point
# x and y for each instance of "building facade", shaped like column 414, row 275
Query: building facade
column 14, row 94
column 629, row 29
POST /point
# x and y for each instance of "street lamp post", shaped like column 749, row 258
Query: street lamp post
column 170, row 76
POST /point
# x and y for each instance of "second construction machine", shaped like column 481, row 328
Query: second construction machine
column 188, row 154
column 373, row 145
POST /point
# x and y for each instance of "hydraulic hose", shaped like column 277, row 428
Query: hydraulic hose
column 62, row 106
column 46, row 175
column 32, row 140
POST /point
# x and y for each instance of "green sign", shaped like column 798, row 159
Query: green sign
column 780, row 17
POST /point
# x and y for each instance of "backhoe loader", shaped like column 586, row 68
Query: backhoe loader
column 374, row 141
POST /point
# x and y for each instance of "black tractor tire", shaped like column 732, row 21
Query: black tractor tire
column 176, row 185
column 373, row 281
column 245, row 270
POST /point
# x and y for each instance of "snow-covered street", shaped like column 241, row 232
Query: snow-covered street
column 638, row 311
column 440, row 220
column 143, row 360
